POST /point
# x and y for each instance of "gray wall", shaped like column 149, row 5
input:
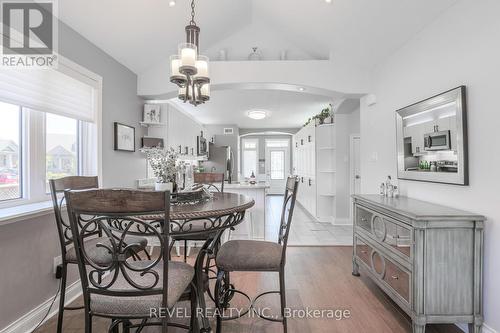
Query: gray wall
column 28, row 247
column 119, row 103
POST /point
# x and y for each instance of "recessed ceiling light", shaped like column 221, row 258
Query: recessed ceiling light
column 302, row 89
column 328, row 1
column 171, row 3
column 257, row 114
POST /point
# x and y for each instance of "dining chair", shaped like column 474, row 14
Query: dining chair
column 256, row 256
column 212, row 182
column 130, row 293
column 68, row 253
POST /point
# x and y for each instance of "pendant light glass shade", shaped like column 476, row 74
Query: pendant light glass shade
column 188, row 55
column 202, row 70
column 205, row 92
column 176, row 76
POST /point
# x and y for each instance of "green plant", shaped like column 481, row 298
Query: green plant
column 325, row 113
column 163, row 162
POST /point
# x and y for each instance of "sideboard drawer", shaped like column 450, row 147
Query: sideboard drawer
column 363, row 251
column 364, row 218
column 396, row 236
column 398, row 279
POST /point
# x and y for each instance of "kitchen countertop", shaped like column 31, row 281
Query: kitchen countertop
column 244, row 185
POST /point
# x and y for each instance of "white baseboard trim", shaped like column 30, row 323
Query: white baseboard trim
column 341, row 221
column 486, row 328
column 29, row 321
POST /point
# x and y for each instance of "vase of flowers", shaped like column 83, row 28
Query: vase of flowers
column 163, row 162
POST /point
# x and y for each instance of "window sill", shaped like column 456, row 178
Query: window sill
column 24, row 212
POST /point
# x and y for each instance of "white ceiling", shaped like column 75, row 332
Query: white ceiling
column 139, row 34
column 287, row 109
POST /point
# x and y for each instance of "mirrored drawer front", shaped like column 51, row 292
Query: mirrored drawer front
column 364, row 218
column 398, row 279
column 363, row 251
column 384, row 230
column 387, row 272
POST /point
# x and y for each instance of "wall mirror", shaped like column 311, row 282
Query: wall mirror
column 432, row 139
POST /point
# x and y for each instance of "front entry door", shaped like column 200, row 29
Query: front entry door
column 277, row 168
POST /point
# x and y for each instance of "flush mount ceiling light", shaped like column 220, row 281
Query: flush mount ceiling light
column 171, row 3
column 328, row 1
column 189, row 69
column 302, row 89
column 257, row 114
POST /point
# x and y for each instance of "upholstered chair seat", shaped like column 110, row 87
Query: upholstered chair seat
column 249, row 255
column 101, row 255
column 180, row 276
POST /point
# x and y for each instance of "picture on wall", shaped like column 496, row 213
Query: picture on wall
column 151, row 113
column 124, row 137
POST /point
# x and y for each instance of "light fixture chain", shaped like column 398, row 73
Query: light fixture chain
column 192, row 13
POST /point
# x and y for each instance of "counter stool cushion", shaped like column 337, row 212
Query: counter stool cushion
column 180, row 276
column 101, row 255
column 249, row 255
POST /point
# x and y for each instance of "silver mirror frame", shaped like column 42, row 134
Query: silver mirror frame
column 457, row 95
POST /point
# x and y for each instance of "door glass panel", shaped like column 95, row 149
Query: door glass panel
column 61, row 147
column 10, row 148
column 277, row 165
column 249, row 162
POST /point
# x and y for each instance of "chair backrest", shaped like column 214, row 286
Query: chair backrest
column 119, row 214
column 211, row 180
column 292, row 184
column 58, row 186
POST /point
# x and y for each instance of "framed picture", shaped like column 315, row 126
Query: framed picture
column 124, row 137
column 152, row 113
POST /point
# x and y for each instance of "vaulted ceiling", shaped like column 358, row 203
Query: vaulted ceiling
column 142, row 34
column 139, row 34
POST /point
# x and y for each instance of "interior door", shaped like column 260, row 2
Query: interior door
column 277, row 168
column 356, row 169
column 355, row 174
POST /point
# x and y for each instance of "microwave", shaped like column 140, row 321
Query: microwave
column 201, row 146
column 437, row 141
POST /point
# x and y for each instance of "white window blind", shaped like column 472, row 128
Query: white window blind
column 50, row 90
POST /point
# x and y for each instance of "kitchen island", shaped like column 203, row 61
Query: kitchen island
column 253, row 227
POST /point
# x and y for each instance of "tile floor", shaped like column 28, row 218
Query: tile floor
column 304, row 231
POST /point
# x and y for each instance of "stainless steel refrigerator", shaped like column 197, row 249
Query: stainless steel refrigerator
column 220, row 160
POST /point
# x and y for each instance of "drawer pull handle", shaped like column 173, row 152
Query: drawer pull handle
column 395, row 277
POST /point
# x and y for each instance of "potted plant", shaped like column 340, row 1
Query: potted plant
column 163, row 162
column 324, row 117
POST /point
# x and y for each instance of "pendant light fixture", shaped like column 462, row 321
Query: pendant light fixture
column 189, row 69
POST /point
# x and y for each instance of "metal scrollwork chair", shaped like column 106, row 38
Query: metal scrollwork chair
column 68, row 253
column 212, row 182
column 255, row 256
column 121, row 289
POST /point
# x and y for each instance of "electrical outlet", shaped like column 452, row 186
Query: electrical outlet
column 57, row 262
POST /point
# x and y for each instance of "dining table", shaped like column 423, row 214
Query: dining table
column 209, row 217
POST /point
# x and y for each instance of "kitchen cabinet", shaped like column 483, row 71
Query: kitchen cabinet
column 253, row 226
column 314, row 164
column 182, row 133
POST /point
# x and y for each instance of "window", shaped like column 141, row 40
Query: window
column 61, row 147
column 10, row 152
column 49, row 129
column 250, row 156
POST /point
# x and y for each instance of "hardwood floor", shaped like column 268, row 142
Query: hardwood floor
column 316, row 277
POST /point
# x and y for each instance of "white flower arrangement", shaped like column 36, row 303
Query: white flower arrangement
column 163, row 162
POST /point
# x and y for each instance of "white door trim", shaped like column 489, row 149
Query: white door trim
column 352, row 137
